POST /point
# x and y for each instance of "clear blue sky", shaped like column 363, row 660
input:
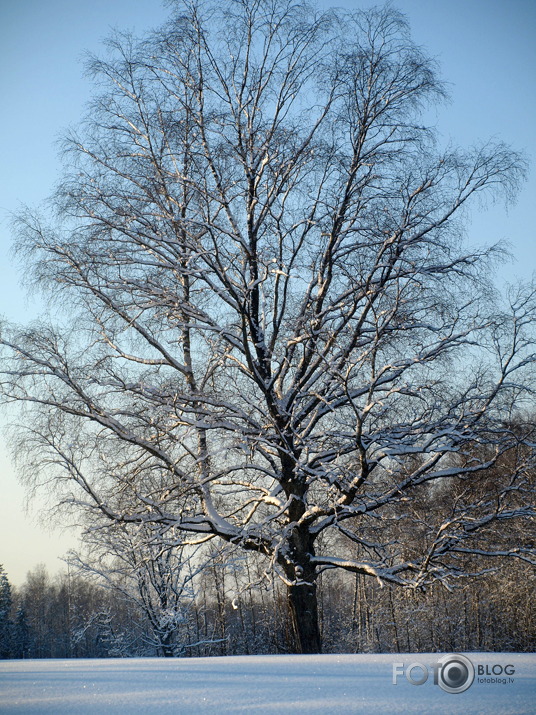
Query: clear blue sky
column 487, row 52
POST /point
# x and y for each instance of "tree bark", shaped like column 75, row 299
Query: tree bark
column 303, row 608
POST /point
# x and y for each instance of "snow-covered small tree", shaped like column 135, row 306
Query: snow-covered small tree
column 138, row 565
column 279, row 338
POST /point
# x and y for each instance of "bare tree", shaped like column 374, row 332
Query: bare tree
column 140, row 567
column 274, row 316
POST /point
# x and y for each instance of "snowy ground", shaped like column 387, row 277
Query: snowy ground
column 260, row 684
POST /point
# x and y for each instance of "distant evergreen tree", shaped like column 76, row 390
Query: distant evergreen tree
column 6, row 626
column 22, row 635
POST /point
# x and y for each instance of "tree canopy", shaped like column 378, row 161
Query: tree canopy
column 274, row 331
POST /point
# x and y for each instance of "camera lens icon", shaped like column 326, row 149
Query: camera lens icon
column 455, row 673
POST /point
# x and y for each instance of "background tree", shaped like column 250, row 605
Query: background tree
column 6, row 624
column 39, row 598
column 279, row 338
column 22, row 637
column 156, row 578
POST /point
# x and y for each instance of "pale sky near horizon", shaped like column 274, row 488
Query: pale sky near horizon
column 486, row 51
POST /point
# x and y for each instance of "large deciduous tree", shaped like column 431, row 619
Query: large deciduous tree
column 274, row 333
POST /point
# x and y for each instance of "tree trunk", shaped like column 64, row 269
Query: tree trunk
column 303, row 608
column 166, row 645
column 167, row 650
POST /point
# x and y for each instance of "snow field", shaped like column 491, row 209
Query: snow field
column 257, row 684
